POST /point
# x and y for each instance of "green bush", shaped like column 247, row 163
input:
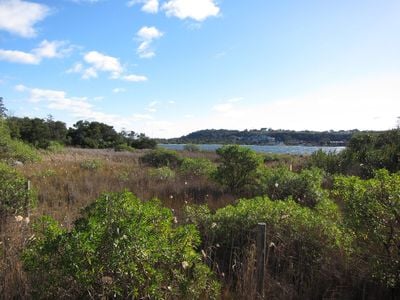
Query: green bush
column 372, row 211
column 307, row 249
column 330, row 162
column 238, row 167
column 13, row 149
column 91, row 164
column 281, row 183
column 197, row 167
column 161, row 158
column 163, row 173
column 121, row 248
column 124, row 147
column 14, row 195
column 55, row 147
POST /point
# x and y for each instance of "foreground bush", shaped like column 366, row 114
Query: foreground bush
column 372, row 210
column 121, row 248
column 197, row 167
column 14, row 195
column 307, row 248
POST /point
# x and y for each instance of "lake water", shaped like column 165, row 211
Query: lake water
column 263, row 149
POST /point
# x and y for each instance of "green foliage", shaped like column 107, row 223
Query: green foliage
column 191, row 148
column 306, row 247
column 162, row 173
column 138, row 141
column 55, row 147
column 238, row 167
column 121, row 248
column 197, row 167
column 281, row 183
column 161, row 158
column 14, row 150
column 91, row 164
column 124, row 147
column 14, row 195
column 372, row 211
column 94, row 135
column 37, row 132
column 330, row 162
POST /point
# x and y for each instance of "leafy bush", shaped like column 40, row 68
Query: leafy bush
column 304, row 187
column 372, row 210
column 306, row 246
column 123, row 147
column 163, row 173
column 15, row 150
column 161, row 158
column 238, row 167
column 197, row 167
column 91, row 164
column 55, row 147
column 14, row 195
column 330, row 162
column 121, row 248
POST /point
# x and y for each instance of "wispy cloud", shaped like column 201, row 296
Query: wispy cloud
column 46, row 49
column 118, row 90
column 19, row 17
column 146, row 35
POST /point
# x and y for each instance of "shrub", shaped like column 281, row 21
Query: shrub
column 238, row 167
column 55, row 147
column 305, row 246
column 15, row 150
column 121, row 248
column 330, row 162
column 123, row 147
column 161, row 158
column 163, row 173
column 280, row 183
column 91, row 164
column 372, row 211
column 14, row 195
column 197, row 167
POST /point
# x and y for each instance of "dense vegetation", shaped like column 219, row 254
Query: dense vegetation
column 332, row 219
column 48, row 133
column 264, row 137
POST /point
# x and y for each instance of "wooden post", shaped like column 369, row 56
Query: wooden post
column 261, row 246
column 28, row 185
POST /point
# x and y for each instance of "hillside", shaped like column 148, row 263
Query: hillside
column 265, row 137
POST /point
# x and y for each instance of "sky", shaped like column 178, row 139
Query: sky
column 170, row 67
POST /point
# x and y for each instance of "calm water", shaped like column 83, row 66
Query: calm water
column 264, row 149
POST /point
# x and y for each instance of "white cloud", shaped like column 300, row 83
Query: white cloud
column 119, row 90
column 15, row 56
column 152, row 107
column 46, row 49
column 149, row 6
column 141, row 117
column 134, row 78
column 19, row 17
column 98, row 62
column 198, row 10
column 146, row 35
column 104, row 63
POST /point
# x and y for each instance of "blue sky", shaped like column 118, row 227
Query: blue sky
column 169, row 67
